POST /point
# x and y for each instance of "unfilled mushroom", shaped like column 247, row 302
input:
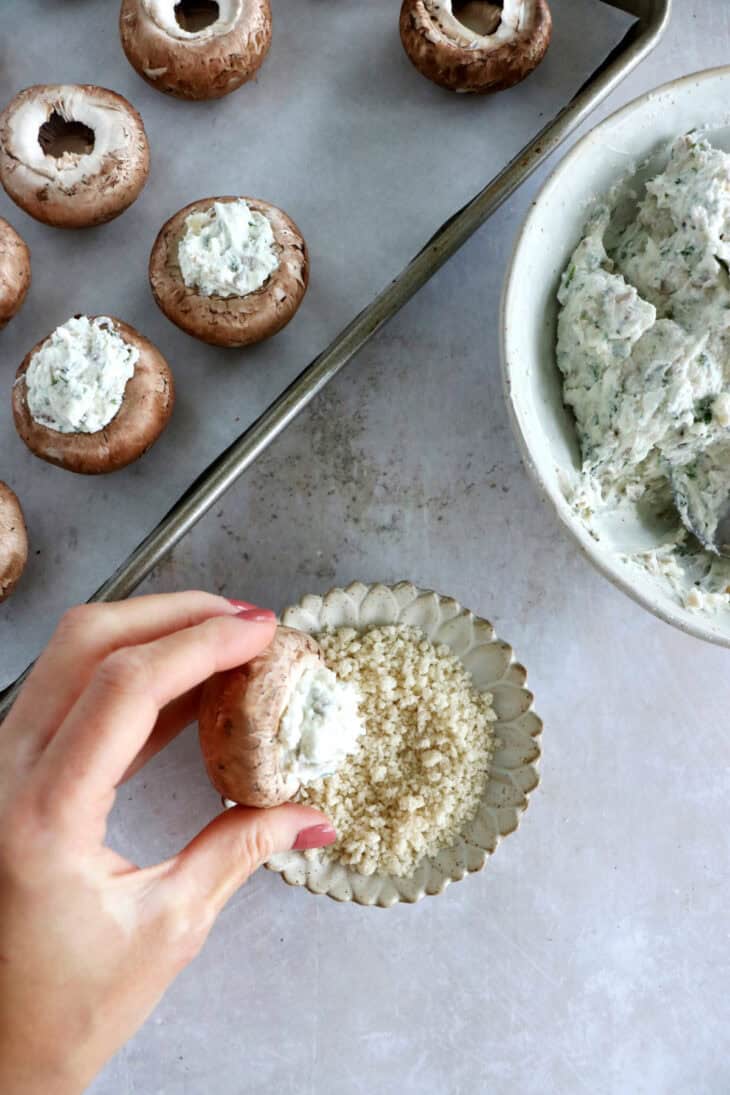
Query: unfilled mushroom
column 196, row 49
column 72, row 155
column 13, row 541
column 14, row 272
column 475, row 45
column 93, row 396
column 230, row 271
column 282, row 720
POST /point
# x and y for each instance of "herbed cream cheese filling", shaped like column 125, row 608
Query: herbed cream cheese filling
column 228, row 250
column 75, row 382
column 644, row 349
column 320, row 725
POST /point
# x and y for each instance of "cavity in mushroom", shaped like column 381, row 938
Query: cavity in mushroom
column 475, row 45
column 13, row 541
column 93, row 396
column 14, row 272
column 196, row 49
column 282, row 721
column 72, row 155
column 230, row 271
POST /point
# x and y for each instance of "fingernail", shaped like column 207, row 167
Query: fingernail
column 241, row 604
column 256, row 615
column 316, row 836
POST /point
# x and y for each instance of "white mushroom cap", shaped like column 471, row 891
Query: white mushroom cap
column 204, row 63
column 478, row 47
column 89, row 185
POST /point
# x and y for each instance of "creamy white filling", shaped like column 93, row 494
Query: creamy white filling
column 162, row 12
column 108, row 123
column 228, row 250
column 320, row 725
column 644, row 348
column 75, row 382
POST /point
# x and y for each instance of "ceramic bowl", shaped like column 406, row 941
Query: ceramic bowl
column 514, row 766
column 639, row 132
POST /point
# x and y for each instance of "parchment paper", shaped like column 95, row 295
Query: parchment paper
column 339, row 130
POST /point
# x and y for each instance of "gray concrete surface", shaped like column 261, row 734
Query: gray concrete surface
column 591, row 956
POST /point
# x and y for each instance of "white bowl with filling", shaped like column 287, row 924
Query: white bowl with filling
column 448, row 751
column 623, row 405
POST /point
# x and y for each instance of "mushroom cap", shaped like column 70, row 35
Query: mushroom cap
column 77, row 189
column 14, row 271
column 204, row 65
column 145, row 411
column 455, row 57
column 231, row 321
column 13, row 541
column 239, row 717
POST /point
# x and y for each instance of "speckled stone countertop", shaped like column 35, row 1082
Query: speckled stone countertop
column 591, row 956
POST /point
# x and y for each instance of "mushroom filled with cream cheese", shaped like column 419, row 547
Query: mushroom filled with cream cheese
column 280, row 722
column 196, row 49
column 475, row 45
column 93, row 396
column 72, row 155
column 13, row 541
column 229, row 271
column 14, row 272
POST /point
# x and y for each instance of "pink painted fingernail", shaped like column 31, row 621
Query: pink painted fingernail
column 256, row 615
column 241, row 604
column 316, row 836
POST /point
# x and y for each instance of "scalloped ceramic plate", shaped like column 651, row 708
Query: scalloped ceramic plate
column 513, row 774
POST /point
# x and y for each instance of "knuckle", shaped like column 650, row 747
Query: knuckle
column 79, row 622
column 254, row 846
column 123, row 671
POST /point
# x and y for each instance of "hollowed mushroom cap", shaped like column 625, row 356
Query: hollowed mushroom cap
column 14, row 272
column 93, row 160
column 231, row 321
column 511, row 41
column 148, row 400
column 13, row 541
column 200, row 64
column 239, row 717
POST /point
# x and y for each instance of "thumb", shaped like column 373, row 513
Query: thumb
column 223, row 856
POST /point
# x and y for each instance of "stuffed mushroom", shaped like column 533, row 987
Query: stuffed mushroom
column 281, row 721
column 475, row 45
column 13, row 541
column 14, row 272
column 93, row 396
column 196, row 49
column 229, row 271
column 72, row 155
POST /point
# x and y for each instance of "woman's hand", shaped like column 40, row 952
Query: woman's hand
column 88, row 941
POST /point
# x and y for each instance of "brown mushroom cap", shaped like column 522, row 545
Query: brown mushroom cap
column 239, row 717
column 145, row 411
column 13, row 541
column 72, row 155
column 231, row 321
column 496, row 56
column 203, row 64
column 14, row 271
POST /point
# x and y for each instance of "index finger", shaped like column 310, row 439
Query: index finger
column 115, row 715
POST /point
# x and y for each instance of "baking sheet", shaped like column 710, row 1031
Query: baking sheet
column 339, row 130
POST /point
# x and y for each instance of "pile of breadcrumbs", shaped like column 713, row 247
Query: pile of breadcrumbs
column 422, row 762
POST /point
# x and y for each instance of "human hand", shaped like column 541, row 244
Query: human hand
column 88, row 941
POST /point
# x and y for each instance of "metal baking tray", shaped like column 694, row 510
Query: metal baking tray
column 650, row 20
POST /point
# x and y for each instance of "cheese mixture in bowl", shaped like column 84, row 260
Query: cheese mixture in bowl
column 644, row 351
